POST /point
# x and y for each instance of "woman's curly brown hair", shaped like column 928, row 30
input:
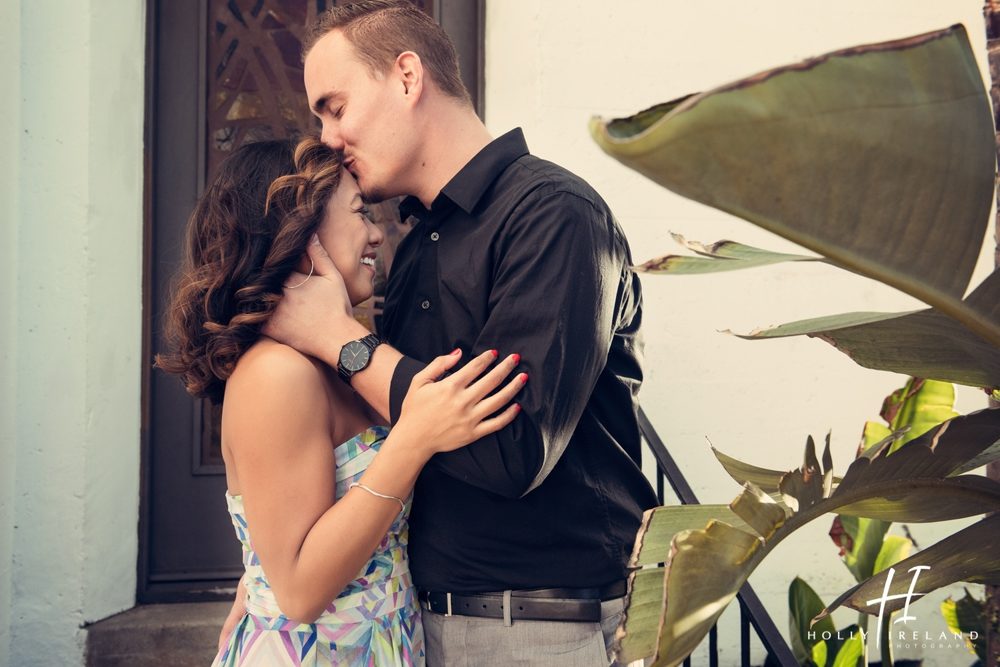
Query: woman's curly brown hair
column 247, row 233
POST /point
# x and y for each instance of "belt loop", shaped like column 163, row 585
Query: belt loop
column 506, row 609
column 448, row 599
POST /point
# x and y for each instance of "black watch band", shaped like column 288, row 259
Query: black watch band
column 355, row 356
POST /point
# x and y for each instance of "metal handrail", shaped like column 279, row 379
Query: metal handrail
column 752, row 612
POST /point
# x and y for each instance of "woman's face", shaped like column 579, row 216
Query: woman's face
column 350, row 238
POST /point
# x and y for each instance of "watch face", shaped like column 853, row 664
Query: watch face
column 354, row 356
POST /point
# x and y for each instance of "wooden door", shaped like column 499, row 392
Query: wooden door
column 220, row 73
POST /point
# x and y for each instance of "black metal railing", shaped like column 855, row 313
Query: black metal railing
column 752, row 612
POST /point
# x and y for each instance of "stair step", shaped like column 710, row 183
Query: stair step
column 180, row 635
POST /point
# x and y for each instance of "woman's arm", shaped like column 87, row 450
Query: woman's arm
column 276, row 428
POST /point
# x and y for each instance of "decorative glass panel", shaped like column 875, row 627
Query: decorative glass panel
column 254, row 69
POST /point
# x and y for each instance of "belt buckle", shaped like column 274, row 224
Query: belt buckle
column 429, row 606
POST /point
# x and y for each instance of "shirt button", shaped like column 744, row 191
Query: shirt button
column 435, row 236
column 425, row 304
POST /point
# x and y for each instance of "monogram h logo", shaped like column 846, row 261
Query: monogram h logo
column 909, row 595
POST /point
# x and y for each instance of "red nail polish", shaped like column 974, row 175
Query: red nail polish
column 456, row 350
column 494, row 353
column 524, row 377
column 517, row 407
column 517, row 358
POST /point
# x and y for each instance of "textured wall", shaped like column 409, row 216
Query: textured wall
column 551, row 64
column 10, row 111
column 73, row 296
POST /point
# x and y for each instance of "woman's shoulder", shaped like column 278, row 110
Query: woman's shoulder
column 279, row 371
column 268, row 356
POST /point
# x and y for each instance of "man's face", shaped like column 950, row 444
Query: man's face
column 362, row 114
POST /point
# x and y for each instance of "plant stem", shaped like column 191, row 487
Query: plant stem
column 885, row 640
column 863, row 630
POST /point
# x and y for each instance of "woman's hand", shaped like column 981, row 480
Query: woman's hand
column 442, row 415
column 236, row 613
column 312, row 306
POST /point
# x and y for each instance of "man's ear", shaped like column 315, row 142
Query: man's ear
column 410, row 71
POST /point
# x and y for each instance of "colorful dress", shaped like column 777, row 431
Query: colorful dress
column 374, row 622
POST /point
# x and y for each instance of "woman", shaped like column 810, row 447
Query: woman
column 326, row 515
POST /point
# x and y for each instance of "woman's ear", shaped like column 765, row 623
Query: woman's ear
column 304, row 264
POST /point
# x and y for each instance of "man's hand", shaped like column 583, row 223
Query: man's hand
column 235, row 614
column 314, row 310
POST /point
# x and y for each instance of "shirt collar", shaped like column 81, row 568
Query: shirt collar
column 467, row 187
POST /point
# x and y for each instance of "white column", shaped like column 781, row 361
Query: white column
column 76, row 262
column 10, row 82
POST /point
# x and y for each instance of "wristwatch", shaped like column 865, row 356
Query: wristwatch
column 355, row 356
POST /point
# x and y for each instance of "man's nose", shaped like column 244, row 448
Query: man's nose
column 331, row 137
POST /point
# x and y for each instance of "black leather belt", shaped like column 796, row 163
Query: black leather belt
column 541, row 604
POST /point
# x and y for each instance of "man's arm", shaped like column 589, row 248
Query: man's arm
column 559, row 281
column 316, row 319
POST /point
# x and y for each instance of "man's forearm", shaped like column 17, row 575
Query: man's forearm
column 373, row 382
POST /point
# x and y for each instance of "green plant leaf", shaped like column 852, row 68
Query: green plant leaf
column 763, row 478
column 872, row 434
column 861, row 549
column 719, row 256
column 840, row 154
column 966, row 616
column 988, row 455
column 918, row 406
column 685, row 265
column 894, row 549
column 705, row 567
column 803, row 605
column 924, row 343
column 851, row 652
column 818, row 654
column 909, row 412
column 635, row 637
column 661, row 524
column 962, row 556
column 938, row 452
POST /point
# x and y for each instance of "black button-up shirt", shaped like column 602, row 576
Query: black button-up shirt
column 520, row 255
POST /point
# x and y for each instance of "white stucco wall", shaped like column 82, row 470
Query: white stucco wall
column 9, row 110
column 71, row 299
column 550, row 65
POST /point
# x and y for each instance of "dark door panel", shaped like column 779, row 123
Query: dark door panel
column 220, row 73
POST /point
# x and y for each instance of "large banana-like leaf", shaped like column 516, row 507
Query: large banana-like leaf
column 918, row 406
column 878, row 157
column 705, row 567
column 965, row 617
column 660, row 524
column 860, row 540
column 910, row 412
column 963, row 556
column 636, row 636
column 923, row 343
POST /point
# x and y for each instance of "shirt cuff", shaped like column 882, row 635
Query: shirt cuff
column 400, row 384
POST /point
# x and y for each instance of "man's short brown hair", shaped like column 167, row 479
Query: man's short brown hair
column 380, row 30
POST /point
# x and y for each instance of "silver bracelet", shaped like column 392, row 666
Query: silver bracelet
column 402, row 505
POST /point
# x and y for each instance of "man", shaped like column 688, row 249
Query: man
column 518, row 543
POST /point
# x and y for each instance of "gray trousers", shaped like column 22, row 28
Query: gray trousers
column 460, row 641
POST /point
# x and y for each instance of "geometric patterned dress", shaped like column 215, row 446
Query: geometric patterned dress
column 374, row 622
